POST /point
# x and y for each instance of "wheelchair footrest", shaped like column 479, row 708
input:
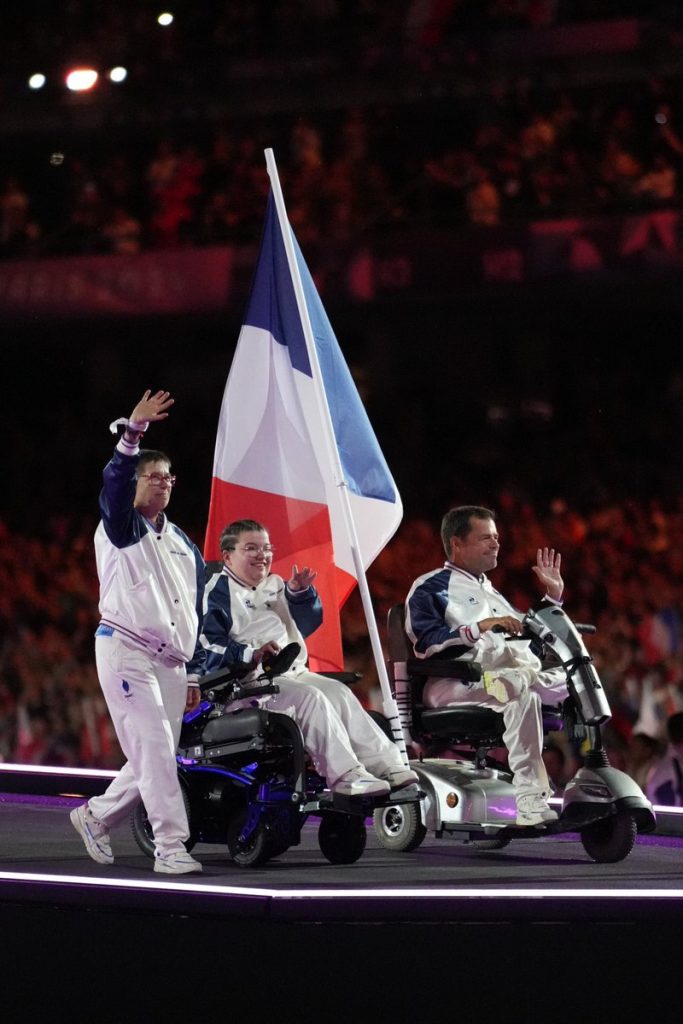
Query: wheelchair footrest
column 364, row 804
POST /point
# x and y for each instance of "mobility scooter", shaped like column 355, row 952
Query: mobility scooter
column 470, row 796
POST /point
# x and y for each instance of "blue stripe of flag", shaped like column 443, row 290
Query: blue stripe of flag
column 273, row 308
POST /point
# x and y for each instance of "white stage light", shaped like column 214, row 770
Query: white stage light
column 81, row 79
column 118, row 74
column 36, row 81
column 166, row 18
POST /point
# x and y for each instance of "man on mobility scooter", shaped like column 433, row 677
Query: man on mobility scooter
column 456, row 610
column 249, row 613
column 466, row 687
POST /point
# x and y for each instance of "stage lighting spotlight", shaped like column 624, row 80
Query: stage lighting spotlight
column 36, row 81
column 81, row 79
column 165, row 18
column 118, row 74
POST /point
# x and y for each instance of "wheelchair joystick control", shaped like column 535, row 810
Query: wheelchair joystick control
column 276, row 664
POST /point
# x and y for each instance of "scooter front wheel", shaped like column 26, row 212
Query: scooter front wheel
column 611, row 839
column 399, row 827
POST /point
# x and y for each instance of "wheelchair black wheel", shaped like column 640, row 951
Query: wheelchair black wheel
column 399, row 827
column 610, row 840
column 342, row 837
column 279, row 836
column 252, row 852
column 142, row 830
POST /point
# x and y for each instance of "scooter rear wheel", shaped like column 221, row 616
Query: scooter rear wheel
column 496, row 843
column 399, row 827
column 610, row 840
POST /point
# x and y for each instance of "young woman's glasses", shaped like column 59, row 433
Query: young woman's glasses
column 256, row 549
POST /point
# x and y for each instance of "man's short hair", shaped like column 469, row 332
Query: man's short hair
column 148, row 455
column 456, row 523
column 231, row 533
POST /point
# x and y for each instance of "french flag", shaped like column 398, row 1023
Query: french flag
column 275, row 459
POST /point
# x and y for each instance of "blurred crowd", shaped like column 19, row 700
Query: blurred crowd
column 525, row 153
column 521, row 147
column 622, row 564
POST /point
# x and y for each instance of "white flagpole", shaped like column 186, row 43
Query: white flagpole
column 389, row 706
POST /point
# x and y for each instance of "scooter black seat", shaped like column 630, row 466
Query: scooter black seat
column 475, row 724
column 468, row 723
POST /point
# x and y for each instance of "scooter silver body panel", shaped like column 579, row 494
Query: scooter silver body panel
column 461, row 798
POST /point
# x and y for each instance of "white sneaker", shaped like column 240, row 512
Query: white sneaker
column 176, row 863
column 533, row 809
column 360, row 783
column 94, row 834
column 399, row 778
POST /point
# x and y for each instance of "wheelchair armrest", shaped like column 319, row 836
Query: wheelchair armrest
column 271, row 665
column 468, row 671
column 264, row 690
column 231, row 690
column 222, row 677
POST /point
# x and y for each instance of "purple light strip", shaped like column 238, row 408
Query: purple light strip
column 68, row 773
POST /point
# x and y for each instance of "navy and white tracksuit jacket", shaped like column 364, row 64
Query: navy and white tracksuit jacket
column 337, row 731
column 239, row 618
column 151, row 584
column 443, row 609
column 151, row 589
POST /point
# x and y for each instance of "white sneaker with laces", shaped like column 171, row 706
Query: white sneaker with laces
column 399, row 778
column 360, row 783
column 94, row 834
column 178, row 862
column 533, row 809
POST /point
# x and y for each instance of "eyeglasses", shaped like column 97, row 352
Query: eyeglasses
column 159, row 478
column 256, row 549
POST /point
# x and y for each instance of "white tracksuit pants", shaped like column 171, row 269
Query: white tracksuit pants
column 338, row 733
column 146, row 701
column 522, row 716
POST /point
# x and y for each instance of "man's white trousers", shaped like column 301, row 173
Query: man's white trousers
column 146, row 701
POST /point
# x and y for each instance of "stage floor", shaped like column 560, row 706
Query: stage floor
column 444, row 879
column 447, row 926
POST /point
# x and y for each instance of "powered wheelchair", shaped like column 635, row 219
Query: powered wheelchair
column 247, row 781
column 467, row 794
